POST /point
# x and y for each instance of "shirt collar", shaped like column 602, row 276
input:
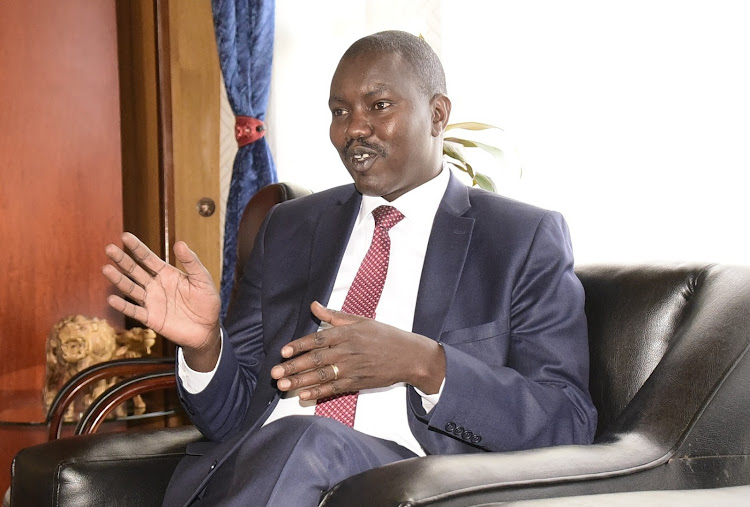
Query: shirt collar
column 418, row 205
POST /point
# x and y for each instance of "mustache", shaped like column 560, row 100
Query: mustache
column 361, row 142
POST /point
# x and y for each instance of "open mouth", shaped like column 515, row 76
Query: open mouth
column 361, row 158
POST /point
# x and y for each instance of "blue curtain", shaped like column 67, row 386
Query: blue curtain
column 244, row 36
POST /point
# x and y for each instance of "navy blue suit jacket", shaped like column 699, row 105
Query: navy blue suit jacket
column 497, row 290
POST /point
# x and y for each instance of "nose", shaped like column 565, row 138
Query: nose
column 358, row 125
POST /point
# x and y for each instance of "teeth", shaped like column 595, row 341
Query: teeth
column 361, row 157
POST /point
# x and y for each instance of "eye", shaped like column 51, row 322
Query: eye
column 338, row 111
column 381, row 105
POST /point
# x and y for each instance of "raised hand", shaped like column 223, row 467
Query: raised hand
column 181, row 306
column 358, row 353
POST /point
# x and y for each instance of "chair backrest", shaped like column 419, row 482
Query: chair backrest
column 664, row 334
column 252, row 218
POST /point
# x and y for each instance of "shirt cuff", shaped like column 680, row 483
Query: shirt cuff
column 196, row 381
column 430, row 400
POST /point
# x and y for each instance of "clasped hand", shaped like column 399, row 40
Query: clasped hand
column 357, row 353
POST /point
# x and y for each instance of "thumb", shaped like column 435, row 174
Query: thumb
column 333, row 317
column 190, row 262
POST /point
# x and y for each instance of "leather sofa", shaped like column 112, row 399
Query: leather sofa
column 670, row 375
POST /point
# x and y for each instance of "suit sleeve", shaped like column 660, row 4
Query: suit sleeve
column 219, row 410
column 539, row 396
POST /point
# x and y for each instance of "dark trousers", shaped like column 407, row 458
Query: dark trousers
column 292, row 461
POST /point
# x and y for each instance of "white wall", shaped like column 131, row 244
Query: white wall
column 632, row 118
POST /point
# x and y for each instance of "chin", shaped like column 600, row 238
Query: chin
column 364, row 184
column 367, row 184
column 364, row 189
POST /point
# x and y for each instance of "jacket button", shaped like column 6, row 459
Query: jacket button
column 450, row 427
column 213, row 465
column 458, row 430
column 467, row 435
column 476, row 439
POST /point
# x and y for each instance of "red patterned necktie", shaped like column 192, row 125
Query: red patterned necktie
column 362, row 299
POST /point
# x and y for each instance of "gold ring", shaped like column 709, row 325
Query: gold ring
column 335, row 372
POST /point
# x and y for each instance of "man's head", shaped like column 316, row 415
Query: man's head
column 389, row 111
column 426, row 65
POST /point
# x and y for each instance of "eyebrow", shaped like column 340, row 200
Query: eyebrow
column 376, row 90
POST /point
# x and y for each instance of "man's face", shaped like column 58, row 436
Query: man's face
column 382, row 125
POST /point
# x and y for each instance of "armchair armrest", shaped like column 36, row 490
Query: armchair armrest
column 632, row 463
column 84, row 378
column 472, row 479
column 120, row 392
column 134, row 468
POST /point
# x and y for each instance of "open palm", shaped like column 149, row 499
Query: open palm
column 181, row 306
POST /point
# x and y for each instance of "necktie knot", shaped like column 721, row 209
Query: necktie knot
column 386, row 217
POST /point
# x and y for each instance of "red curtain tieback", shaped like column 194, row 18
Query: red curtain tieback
column 248, row 130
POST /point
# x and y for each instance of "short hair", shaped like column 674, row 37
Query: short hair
column 415, row 50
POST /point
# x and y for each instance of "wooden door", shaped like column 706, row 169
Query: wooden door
column 171, row 104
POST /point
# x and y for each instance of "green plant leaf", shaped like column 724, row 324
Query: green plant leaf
column 470, row 170
column 496, row 152
column 466, row 168
column 484, row 182
column 471, row 125
column 457, row 165
column 454, row 150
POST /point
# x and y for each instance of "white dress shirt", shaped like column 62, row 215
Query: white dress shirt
column 380, row 412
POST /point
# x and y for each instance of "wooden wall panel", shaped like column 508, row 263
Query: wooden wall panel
column 60, row 184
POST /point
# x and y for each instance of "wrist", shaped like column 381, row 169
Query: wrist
column 430, row 371
column 204, row 357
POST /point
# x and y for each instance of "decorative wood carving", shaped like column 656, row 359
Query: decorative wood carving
column 77, row 342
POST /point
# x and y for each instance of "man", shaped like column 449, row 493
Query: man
column 460, row 329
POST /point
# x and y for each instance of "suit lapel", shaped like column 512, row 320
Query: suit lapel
column 329, row 240
column 444, row 260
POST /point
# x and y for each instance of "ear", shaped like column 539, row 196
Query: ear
column 441, row 112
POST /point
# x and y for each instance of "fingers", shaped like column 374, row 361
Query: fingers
column 324, row 338
column 307, row 343
column 318, row 383
column 123, row 283
column 312, row 360
column 137, row 312
column 314, row 356
column 142, row 253
column 333, row 317
column 127, row 264
column 314, row 370
column 190, row 261
column 334, row 388
column 310, row 370
column 313, row 377
column 131, row 277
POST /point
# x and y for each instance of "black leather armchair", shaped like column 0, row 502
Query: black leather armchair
column 670, row 373
column 670, row 376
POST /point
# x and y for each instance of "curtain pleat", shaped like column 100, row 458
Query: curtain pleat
column 244, row 37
